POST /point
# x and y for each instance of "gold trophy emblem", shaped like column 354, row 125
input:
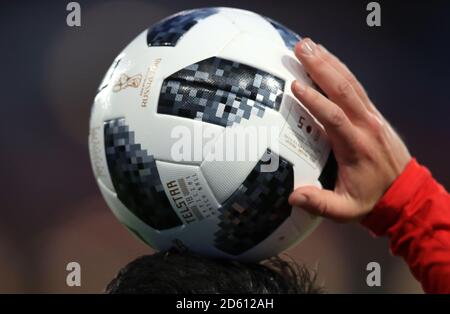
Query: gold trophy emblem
column 127, row 81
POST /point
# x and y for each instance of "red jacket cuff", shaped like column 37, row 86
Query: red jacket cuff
column 389, row 208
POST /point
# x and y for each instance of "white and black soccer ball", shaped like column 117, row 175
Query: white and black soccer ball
column 215, row 69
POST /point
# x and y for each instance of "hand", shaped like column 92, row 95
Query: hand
column 369, row 153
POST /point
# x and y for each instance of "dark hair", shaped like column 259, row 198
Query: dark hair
column 174, row 272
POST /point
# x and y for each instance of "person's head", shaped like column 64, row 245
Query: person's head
column 174, row 272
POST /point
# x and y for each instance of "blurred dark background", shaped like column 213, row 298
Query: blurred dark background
column 51, row 211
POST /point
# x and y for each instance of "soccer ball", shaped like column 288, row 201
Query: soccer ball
column 196, row 80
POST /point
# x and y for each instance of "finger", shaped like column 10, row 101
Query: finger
column 343, row 70
column 340, row 131
column 324, row 203
column 348, row 75
column 330, row 81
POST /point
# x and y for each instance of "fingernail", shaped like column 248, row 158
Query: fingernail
column 308, row 47
column 299, row 88
column 322, row 48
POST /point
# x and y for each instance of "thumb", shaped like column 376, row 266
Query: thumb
column 324, row 203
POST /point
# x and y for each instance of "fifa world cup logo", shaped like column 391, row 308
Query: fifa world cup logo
column 127, row 81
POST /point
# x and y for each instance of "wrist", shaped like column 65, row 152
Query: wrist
column 390, row 206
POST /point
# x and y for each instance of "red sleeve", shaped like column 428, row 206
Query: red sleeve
column 415, row 214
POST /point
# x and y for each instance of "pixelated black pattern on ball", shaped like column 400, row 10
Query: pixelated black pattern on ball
column 289, row 37
column 220, row 91
column 135, row 177
column 168, row 31
column 329, row 173
column 256, row 209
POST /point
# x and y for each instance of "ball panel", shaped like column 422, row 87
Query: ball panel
column 206, row 39
column 168, row 31
column 227, row 165
column 146, row 233
column 290, row 38
column 135, row 177
column 219, row 91
column 97, row 153
column 259, row 53
column 237, row 150
column 303, row 141
column 188, row 192
column 256, row 209
column 253, row 24
column 194, row 202
column 284, row 237
column 329, row 173
column 174, row 139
